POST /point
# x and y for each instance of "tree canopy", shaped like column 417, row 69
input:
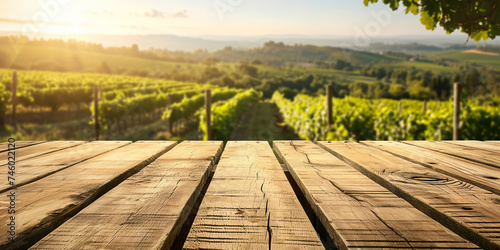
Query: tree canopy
column 477, row 18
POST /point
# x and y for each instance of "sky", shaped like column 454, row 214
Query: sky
column 208, row 17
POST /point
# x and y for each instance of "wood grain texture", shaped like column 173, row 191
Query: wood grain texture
column 493, row 143
column 35, row 168
column 473, row 154
column 147, row 210
column 251, row 205
column 481, row 175
column 38, row 149
column 45, row 204
column 477, row 144
column 471, row 212
column 19, row 144
column 356, row 211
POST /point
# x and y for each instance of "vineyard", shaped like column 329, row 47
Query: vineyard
column 363, row 119
column 125, row 102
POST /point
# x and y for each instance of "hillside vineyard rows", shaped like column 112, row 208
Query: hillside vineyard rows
column 126, row 101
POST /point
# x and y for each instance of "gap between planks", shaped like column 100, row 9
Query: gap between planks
column 251, row 204
column 4, row 146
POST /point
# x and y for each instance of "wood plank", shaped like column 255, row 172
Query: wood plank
column 45, row 204
column 469, row 211
column 19, row 144
column 493, row 143
column 251, row 205
column 477, row 144
column 481, row 175
column 35, row 168
column 38, row 149
column 473, row 154
column 356, row 211
column 147, row 210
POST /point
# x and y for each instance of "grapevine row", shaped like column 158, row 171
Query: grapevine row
column 362, row 119
column 189, row 106
column 225, row 115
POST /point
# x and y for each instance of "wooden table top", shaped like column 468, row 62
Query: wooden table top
column 250, row 195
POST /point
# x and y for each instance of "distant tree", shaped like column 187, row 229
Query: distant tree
column 378, row 90
column 441, row 86
column 210, row 72
column 397, row 91
column 480, row 19
column 359, row 89
column 248, row 69
column 135, row 47
column 419, row 91
column 473, row 81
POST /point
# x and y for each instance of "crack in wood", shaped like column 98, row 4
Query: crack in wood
column 392, row 229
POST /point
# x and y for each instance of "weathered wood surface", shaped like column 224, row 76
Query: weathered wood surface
column 478, row 145
column 251, row 205
column 481, row 175
column 470, row 211
column 470, row 153
column 497, row 143
column 4, row 146
column 147, row 210
column 43, row 205
column 38, row 167
column 356, row 211
column 78, row 195
column 25, row 153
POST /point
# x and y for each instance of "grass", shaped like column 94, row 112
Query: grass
column 488, row 60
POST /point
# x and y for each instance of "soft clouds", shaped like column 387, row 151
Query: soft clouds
column 154, row 13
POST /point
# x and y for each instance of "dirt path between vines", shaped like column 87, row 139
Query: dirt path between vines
column 259, row 124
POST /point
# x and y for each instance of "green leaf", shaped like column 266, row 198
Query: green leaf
column 413, row 8
column 427, row 20
column 478, row 35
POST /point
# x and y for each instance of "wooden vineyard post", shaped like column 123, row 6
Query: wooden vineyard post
column 425, row 106
column 14, row 97
column 208, row 110
column 169, row 105
column 456, row 111
column 400, row 106
column 329, row 96
column 96, row 111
